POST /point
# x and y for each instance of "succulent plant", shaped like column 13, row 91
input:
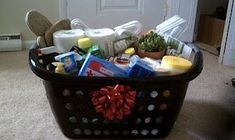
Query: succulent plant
column 152, row 42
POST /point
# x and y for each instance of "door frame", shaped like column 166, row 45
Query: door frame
column 227, row 27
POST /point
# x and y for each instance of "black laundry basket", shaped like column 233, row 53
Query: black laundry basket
column 157, row 104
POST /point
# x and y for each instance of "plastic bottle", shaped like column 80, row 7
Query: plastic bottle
column 59, row 67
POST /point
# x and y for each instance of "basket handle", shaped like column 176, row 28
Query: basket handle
column 197, row 65
column 34, row 61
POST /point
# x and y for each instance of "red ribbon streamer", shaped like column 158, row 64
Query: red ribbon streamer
column 113, row 102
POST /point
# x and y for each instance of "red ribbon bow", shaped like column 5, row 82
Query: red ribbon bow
column 113, row 102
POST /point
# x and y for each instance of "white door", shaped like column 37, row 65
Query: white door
column 227, row 55
column 111, row 13
column 187, row 9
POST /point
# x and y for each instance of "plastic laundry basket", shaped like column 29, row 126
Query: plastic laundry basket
column 157, row 104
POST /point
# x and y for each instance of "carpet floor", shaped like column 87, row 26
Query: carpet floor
column 208, row 111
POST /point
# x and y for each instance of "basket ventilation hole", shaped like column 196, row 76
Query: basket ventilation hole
column 125, row 132
column 151, row 107
column 40, row 61
column 48, row 67
column 95, row 120
column 144, row 132
column 166, row 93
column 87, row 132
column 66, row 93
column 77, row 131
column 140, row 94
column 73, row 119
column 125, row 122
column 147, row 120
column 106, row 121
column 134, row 132
column 116, row 121
column 154, row 94
column 79, row 93
column 115, row 132
column 138, row 121
column 159, row 120
column 69, row 106
column 107, row 132
column 97, row 132
column 84, row 120
column 154, row 131
column 141, row 108
column 163, row 107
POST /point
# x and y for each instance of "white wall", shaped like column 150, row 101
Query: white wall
column 12, row 15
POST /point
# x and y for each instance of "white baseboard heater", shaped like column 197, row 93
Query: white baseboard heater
column 10, row 42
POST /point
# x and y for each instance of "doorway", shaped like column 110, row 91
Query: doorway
column 210, row 23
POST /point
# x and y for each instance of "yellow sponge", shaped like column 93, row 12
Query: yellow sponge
column 84, row 43
column 176, row 64
column 129, row 51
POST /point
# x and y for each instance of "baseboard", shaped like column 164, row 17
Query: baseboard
column 28, row 43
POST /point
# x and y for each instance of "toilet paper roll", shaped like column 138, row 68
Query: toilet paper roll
column 65, row 39
column 103, row 37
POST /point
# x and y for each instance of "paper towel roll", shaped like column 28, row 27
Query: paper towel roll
column 65, row 39
column 103, row 37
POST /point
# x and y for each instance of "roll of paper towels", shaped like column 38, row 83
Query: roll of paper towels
column 103, row 37
column 65, row 39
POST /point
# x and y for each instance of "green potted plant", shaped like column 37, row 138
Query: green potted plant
column 151, row 45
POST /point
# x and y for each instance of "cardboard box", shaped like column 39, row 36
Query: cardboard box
column 210, row 30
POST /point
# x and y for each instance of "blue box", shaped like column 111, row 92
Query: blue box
column 94, row 66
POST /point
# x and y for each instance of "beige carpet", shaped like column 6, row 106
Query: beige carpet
column 208, row 48
column 208, row 111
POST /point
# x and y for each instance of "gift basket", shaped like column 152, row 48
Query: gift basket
column 94, row 104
